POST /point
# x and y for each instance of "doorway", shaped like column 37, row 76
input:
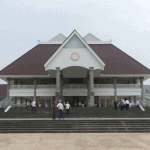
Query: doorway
column 75, row 100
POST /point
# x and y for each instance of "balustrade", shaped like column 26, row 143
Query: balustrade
column 74, row 86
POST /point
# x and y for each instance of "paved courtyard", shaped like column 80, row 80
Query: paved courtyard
column 77, row 141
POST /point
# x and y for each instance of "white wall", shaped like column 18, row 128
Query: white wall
column 63, row 59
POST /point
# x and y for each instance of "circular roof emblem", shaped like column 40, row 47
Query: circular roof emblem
column 75, row 56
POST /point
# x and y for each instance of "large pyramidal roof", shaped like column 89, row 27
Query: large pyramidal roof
column 117, row 62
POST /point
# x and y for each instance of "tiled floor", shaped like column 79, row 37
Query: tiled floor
column 86, row 141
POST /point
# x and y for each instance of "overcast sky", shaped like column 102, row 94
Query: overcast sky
column 24, row 22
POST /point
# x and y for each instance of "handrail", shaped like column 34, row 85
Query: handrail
column 53, row 86
column 142, row 103
column 15, row 105
column 7, row 104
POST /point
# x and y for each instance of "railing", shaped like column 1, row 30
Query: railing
column 7, row 104
column 128, row 86
column 118, row 86
column 19, row 105
column 32, row 86
column 103, row 86
column 142, row 103
column 50, row 86
column 21, row 86
column 74, row 86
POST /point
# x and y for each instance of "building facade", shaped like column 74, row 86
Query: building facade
column 75, row 69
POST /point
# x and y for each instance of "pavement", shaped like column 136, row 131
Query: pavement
column 75, row 141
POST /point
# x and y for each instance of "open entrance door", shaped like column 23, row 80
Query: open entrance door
column 76, row 101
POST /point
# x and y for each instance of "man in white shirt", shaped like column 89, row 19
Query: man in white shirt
column 130, row 104
column 28, row 104
column 67, row 107
column 60, row 109
column 127, row 104
column 40, row 105
column 79, row 104
column 33, row 105
column 124, row 102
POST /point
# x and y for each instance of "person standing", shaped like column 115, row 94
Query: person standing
column 124, row 102
column 54, row 111
column 46, row 105
column 67, row 107
column 40, row 105
column 121, row 105
column 127, row 104
column 147, row 102
column 79, row 104
column 33, row 105
column 28, row 104
column 60, row 109
column 130, row 104
column 115, row 105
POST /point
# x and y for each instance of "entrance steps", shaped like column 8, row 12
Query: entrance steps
column 75, row 126
column 76, row 112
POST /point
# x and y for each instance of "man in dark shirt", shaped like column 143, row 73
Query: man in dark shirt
column 54, row 110
column 115, row 105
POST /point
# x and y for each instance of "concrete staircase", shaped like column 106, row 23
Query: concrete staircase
column 75, row 126
column 96, row 112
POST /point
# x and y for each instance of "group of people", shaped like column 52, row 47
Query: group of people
column 60, row 107
column 124, row 103
column 39, row 105
column 33, row 105
column 55, row 106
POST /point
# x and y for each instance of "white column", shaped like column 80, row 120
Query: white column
column 115, row 89
column 142, row 89
column 91, row 74
column 88, row 97
column 35, row 86
column 8, row 88
column 61, row 87
column 58, row 84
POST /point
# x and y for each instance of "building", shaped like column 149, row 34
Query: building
column 75, row 69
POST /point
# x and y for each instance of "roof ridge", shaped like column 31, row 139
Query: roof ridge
column 56, row 36
column 93, row 36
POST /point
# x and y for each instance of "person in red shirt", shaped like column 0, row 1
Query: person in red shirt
column 54, row 111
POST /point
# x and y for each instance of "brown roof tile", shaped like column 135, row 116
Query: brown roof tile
column 116, row 61
column 32, row 62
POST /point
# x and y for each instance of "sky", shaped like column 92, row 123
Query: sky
column 24, row 22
